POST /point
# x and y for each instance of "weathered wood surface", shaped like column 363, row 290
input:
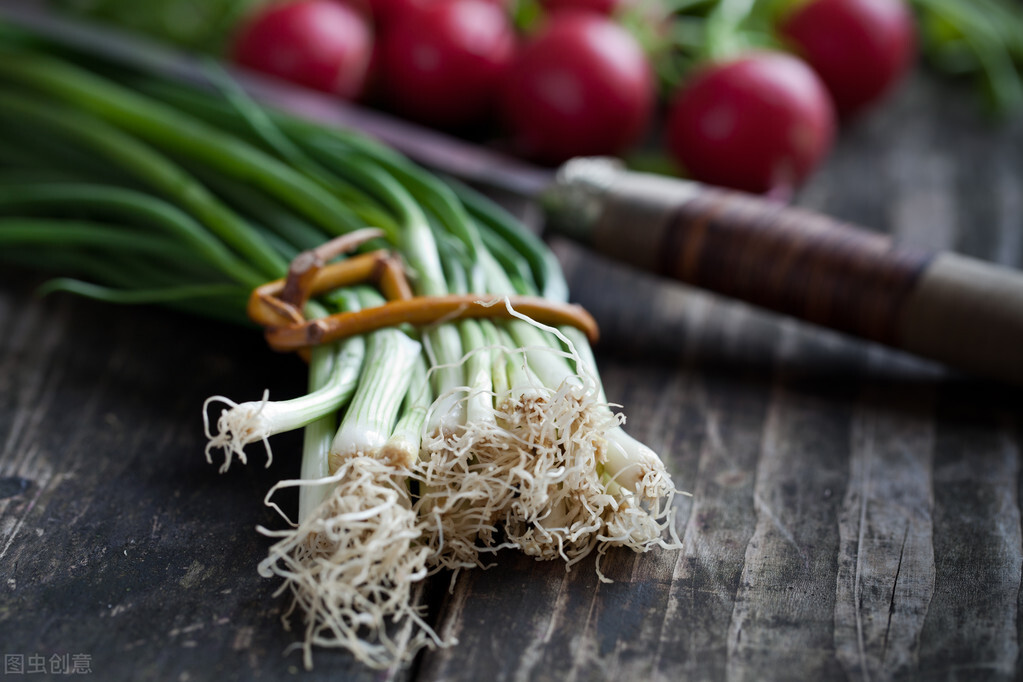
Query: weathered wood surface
column 854, row 514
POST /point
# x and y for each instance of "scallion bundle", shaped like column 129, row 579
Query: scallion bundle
column 428, row 446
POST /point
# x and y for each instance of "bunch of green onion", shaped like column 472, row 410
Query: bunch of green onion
column 425, row 449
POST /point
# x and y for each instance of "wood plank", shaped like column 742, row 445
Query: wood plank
column 886, row 559
column 786, row 599
column 117, row 540
column 693, row 638
column 971, row 628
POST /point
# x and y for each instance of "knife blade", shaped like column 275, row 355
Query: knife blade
column 956, row 310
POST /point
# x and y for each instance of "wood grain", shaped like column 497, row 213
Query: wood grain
column 117, row 540
column 855, row 513
column 885, row 579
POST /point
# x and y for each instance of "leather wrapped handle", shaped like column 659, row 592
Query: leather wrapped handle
column 960, row 311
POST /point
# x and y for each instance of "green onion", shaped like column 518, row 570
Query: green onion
column 181, row 133
column 425, row 448
column 136, row 206
column 257, row 421
column 152, row 169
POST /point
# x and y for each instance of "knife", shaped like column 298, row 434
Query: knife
column 957, row 310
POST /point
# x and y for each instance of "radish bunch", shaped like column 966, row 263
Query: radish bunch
column 751, row 108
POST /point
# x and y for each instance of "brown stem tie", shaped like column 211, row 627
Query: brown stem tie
column 427, row 310
column 277, row 305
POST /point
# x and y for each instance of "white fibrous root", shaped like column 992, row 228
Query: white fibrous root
column 237, row 426
column 547, row 471
column 536, row 479
column 351, row 567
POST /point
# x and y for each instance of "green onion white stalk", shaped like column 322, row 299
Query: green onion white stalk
column 258, row 420
column 352, row 562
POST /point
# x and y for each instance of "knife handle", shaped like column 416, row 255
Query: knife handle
column 957, row 310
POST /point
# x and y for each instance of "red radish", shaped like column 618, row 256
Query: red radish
column 605, row 7
column 387, row 12
column 860, row 48
column 322, row 44
column 582, row 86
column 442, row 64
column 759, row 123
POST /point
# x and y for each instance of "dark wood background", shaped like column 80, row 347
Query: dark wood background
column 855, row 513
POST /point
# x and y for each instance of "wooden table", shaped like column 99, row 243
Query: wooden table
column 855, row 513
